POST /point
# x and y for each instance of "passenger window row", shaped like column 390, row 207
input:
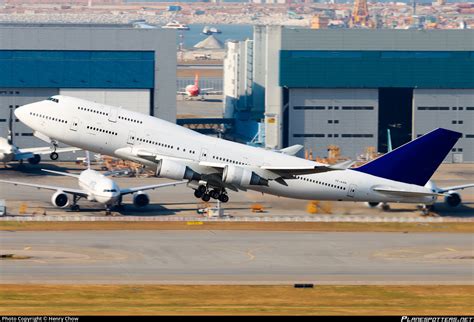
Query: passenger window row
column 321, row 183
column 168, row 146
column 130, row 120
column 101, row 130
column 215, row 157
column 92, row 110
column 46, row 117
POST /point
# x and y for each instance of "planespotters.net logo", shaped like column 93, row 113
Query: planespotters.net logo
column 437, row 319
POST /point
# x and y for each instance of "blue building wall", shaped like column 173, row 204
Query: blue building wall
column 375, row 69
column 77, row 69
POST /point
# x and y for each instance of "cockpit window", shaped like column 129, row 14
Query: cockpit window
column 110, row 190
column 55, row 100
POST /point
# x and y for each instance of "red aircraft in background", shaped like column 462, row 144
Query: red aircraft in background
column 193, row 90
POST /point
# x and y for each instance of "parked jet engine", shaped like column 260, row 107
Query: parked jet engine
column 141, row 199
column 60, row 199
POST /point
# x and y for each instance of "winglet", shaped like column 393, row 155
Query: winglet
column 416, row 161
column 291, row 150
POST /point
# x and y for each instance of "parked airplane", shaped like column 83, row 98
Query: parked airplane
column 193, row 90
column 10, row 152
column 95, row 187
column 213, row 165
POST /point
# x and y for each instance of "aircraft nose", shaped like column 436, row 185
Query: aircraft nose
column 22, row 112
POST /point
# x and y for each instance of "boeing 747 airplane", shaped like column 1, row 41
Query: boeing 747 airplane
column 213, row 166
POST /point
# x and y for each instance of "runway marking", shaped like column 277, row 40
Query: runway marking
column 249, row 254
column 451, row 249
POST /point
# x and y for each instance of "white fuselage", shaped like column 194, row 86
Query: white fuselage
column 98, row 187
column 109, row 130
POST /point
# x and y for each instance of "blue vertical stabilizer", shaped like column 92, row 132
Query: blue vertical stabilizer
column 416, row 161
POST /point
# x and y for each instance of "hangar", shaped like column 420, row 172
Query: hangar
column 110, row 64
column 347, row 87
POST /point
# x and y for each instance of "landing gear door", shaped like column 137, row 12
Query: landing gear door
column 352, row 190
column 113, row 114
column 131, row 138
column 74, row 124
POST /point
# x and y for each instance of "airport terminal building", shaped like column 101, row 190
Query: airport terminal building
column 347, row 87
column 111, row 64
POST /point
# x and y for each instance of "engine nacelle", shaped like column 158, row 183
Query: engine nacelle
column 242, row 177
column 372, row 204
column 453, row 199
column 35, row 159
column 60, row 199
column 175, row 170
column 141, row 199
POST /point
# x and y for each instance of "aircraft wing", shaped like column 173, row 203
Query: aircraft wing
column 289, row 171
column 151, row 187
column 77, row 192
column 405, row 193
column 62, row 173
column 48, row 150
column 446, row 189
column 209, row 91
column 284, row 171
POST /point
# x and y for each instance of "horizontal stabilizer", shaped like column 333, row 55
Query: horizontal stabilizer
column 405, row 193
column 461, row 187
column 416, row 161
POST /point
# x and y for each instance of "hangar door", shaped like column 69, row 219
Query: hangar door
column 447, row 108
column 11, row 98
column 347, row 118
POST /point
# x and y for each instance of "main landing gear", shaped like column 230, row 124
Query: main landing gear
column 426, row 209
column 206, row 194
column 75, row 206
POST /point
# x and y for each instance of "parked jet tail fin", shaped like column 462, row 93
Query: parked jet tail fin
column 416, row 161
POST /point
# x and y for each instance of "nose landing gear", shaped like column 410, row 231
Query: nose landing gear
column 54, row 155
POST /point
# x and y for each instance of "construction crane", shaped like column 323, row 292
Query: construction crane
column 360, row 14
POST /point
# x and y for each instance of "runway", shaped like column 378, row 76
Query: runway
column 236, row 257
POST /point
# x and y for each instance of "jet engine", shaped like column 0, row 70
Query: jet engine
column 175, row 170
column 453, row 199
column 141, row 199
column 242, row 177
column 372, row 204
column 60, row 199
column 35, row 159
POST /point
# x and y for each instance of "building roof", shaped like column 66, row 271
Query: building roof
column 210, row 42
